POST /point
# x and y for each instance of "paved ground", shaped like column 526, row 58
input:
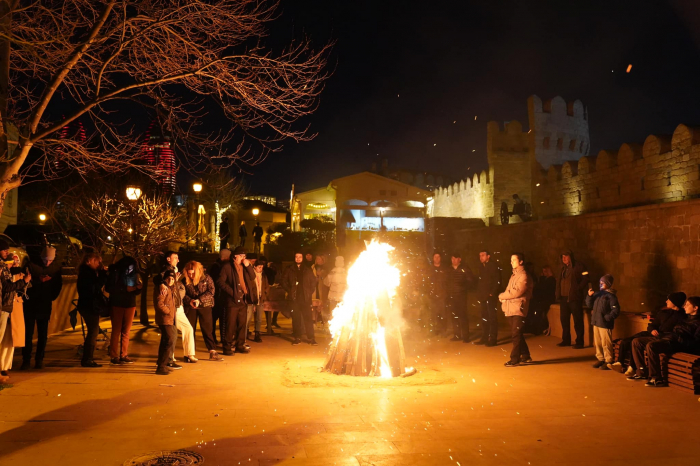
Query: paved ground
column 270, row 407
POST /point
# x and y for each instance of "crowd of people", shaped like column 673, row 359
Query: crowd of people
column 525, row 300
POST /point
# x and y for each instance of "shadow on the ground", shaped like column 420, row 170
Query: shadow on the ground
column 564, row 360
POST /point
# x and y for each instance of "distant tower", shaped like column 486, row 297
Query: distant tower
column 74, row 131
column 157, row 152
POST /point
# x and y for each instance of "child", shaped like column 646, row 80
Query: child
column 164, row 302
column 605, row 309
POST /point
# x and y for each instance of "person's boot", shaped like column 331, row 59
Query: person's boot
column 26, row 365
column 39, row 364
column 257, row 338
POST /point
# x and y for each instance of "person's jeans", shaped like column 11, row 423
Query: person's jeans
column 234, row 319
column 489, row 320
column 302, row 319
column 602, row 338
column 520, row 349
column 654, row 351
column 183, row 325
column 625, row 354
column 42, row 327
column 7, row 349
column 122, row 318
column 255, row 311
column 456, row 310
column 92, row 323
column 166, row 349
column 567, row 309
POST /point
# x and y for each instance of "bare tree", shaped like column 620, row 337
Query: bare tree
column 182, row 61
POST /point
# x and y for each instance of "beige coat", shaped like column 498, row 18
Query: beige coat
column 515, row 300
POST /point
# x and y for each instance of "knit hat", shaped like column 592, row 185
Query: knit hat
column 238, row 250
column 48, row 253
column 225, row 254
column 607, row 279
column 4, row 245
column 167, row 274
column 678, row 299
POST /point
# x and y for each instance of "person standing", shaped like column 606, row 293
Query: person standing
column 224, row 234
column 261, row 288
column 543, row 296
column 219, row 299
column 45, row 287
column 10, row 288
column 299, row 283
column 199, row 301
column 487, row 293
column 237, row 283
column 435, row 281
column 572, row 286
column 257, row 238
column 320, row 296
column 123, row 285
column 165, row 300
column 92, row 277
column 515, row 301
column 458, row 280
column 605, row 309
column 337, row 282
column 242, row 234
column 661, row 322
column 11, row 336
column 271, row 273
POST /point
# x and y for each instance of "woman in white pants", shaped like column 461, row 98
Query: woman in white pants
column 183, row 326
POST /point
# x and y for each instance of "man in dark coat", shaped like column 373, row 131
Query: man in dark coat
column 300, row 283
column 572, row 288
column 257, row 237
column 242, row 234
column 217, row 311
column 662, row 322
column 45, row 287
column 435, row 292
column 458, row 280
column 488, row 286
column 237, row 283
column 224, row 234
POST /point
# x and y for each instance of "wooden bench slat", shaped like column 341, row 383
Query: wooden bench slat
column 683, row 389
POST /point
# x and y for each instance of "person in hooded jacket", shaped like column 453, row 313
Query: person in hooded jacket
column 685, row 338
column 337, row 282
column 572, row 287
column 515, row 301
column 123, row 285
column 662, row 322
column 605, row 308
column 92, row 277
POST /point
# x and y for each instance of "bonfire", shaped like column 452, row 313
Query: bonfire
column 365, row 327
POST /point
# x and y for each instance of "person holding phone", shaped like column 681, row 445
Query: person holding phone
column 123, row 285
column 10, row 288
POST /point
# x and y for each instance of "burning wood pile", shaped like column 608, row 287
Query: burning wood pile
column 366, row 324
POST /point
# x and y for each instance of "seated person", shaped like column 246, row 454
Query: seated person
column 660, row 323
column 685, row 338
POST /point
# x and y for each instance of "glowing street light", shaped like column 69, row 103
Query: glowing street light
column 42, row 217
column 197, row 187
column 256, row 211
column 133, row 193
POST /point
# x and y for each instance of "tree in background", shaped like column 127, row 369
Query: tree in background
column 186, row 63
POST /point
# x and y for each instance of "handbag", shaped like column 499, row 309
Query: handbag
column 17, row 323
column 100, row 305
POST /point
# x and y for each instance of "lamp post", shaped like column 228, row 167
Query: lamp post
column 256, row 212
column 197, row 188
column 381, row 216
column 42, row 217
column 133, row 194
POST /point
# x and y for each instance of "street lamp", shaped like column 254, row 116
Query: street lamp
column 133, row 193
column 42, row 217
column 382, row 210
column 197, row 187
column 256, row 211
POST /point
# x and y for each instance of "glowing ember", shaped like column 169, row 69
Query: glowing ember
column 366, row 324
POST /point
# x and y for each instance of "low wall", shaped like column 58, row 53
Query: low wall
column 626, row 325
column 650, row 250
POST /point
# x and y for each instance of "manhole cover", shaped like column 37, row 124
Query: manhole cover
column 175, row 458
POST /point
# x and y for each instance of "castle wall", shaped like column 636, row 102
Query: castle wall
column 560, row 130
column 470, row 198
column 663, row 169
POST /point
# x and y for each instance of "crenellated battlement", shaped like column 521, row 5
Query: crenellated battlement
column 469, row 198
column 664, row 168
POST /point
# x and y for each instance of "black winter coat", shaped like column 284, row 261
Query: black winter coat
column 686, row 336
column 90, row 284
column 664, row 320
column 289, row 283
column 605, row 307
column 458, row 281
column 42, row 294
column 489, row 280
column 231, row 289
column 579, row 280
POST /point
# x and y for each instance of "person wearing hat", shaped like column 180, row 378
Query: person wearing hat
column 45, row 287
column 605, row 309
column 9, row 288
column 299, row 282
column 237, row 284
column 214, row 272
column 661, row 322
column 166, row 299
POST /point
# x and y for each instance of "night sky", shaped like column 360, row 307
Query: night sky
column 406, row 71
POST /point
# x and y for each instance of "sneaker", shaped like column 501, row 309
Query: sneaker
column 126, row 360
column 90, row 364
column 635, row 377
column 296, row 342
column 214, row 356
column 511, row 364
column 598, row 364
column 313, row 343
column 629, row 371
column 174, row 366
column 228, row 353
column 527, row 360
column 654, row 382
column 605, row 367
column 115, row 362
column 39, row 364
column 26, row 365
column 274, row 324
column 243, row 350
column 617, row 367
column 163, row 371
column 563, row 343
column 257, row 338
column 190, row 359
